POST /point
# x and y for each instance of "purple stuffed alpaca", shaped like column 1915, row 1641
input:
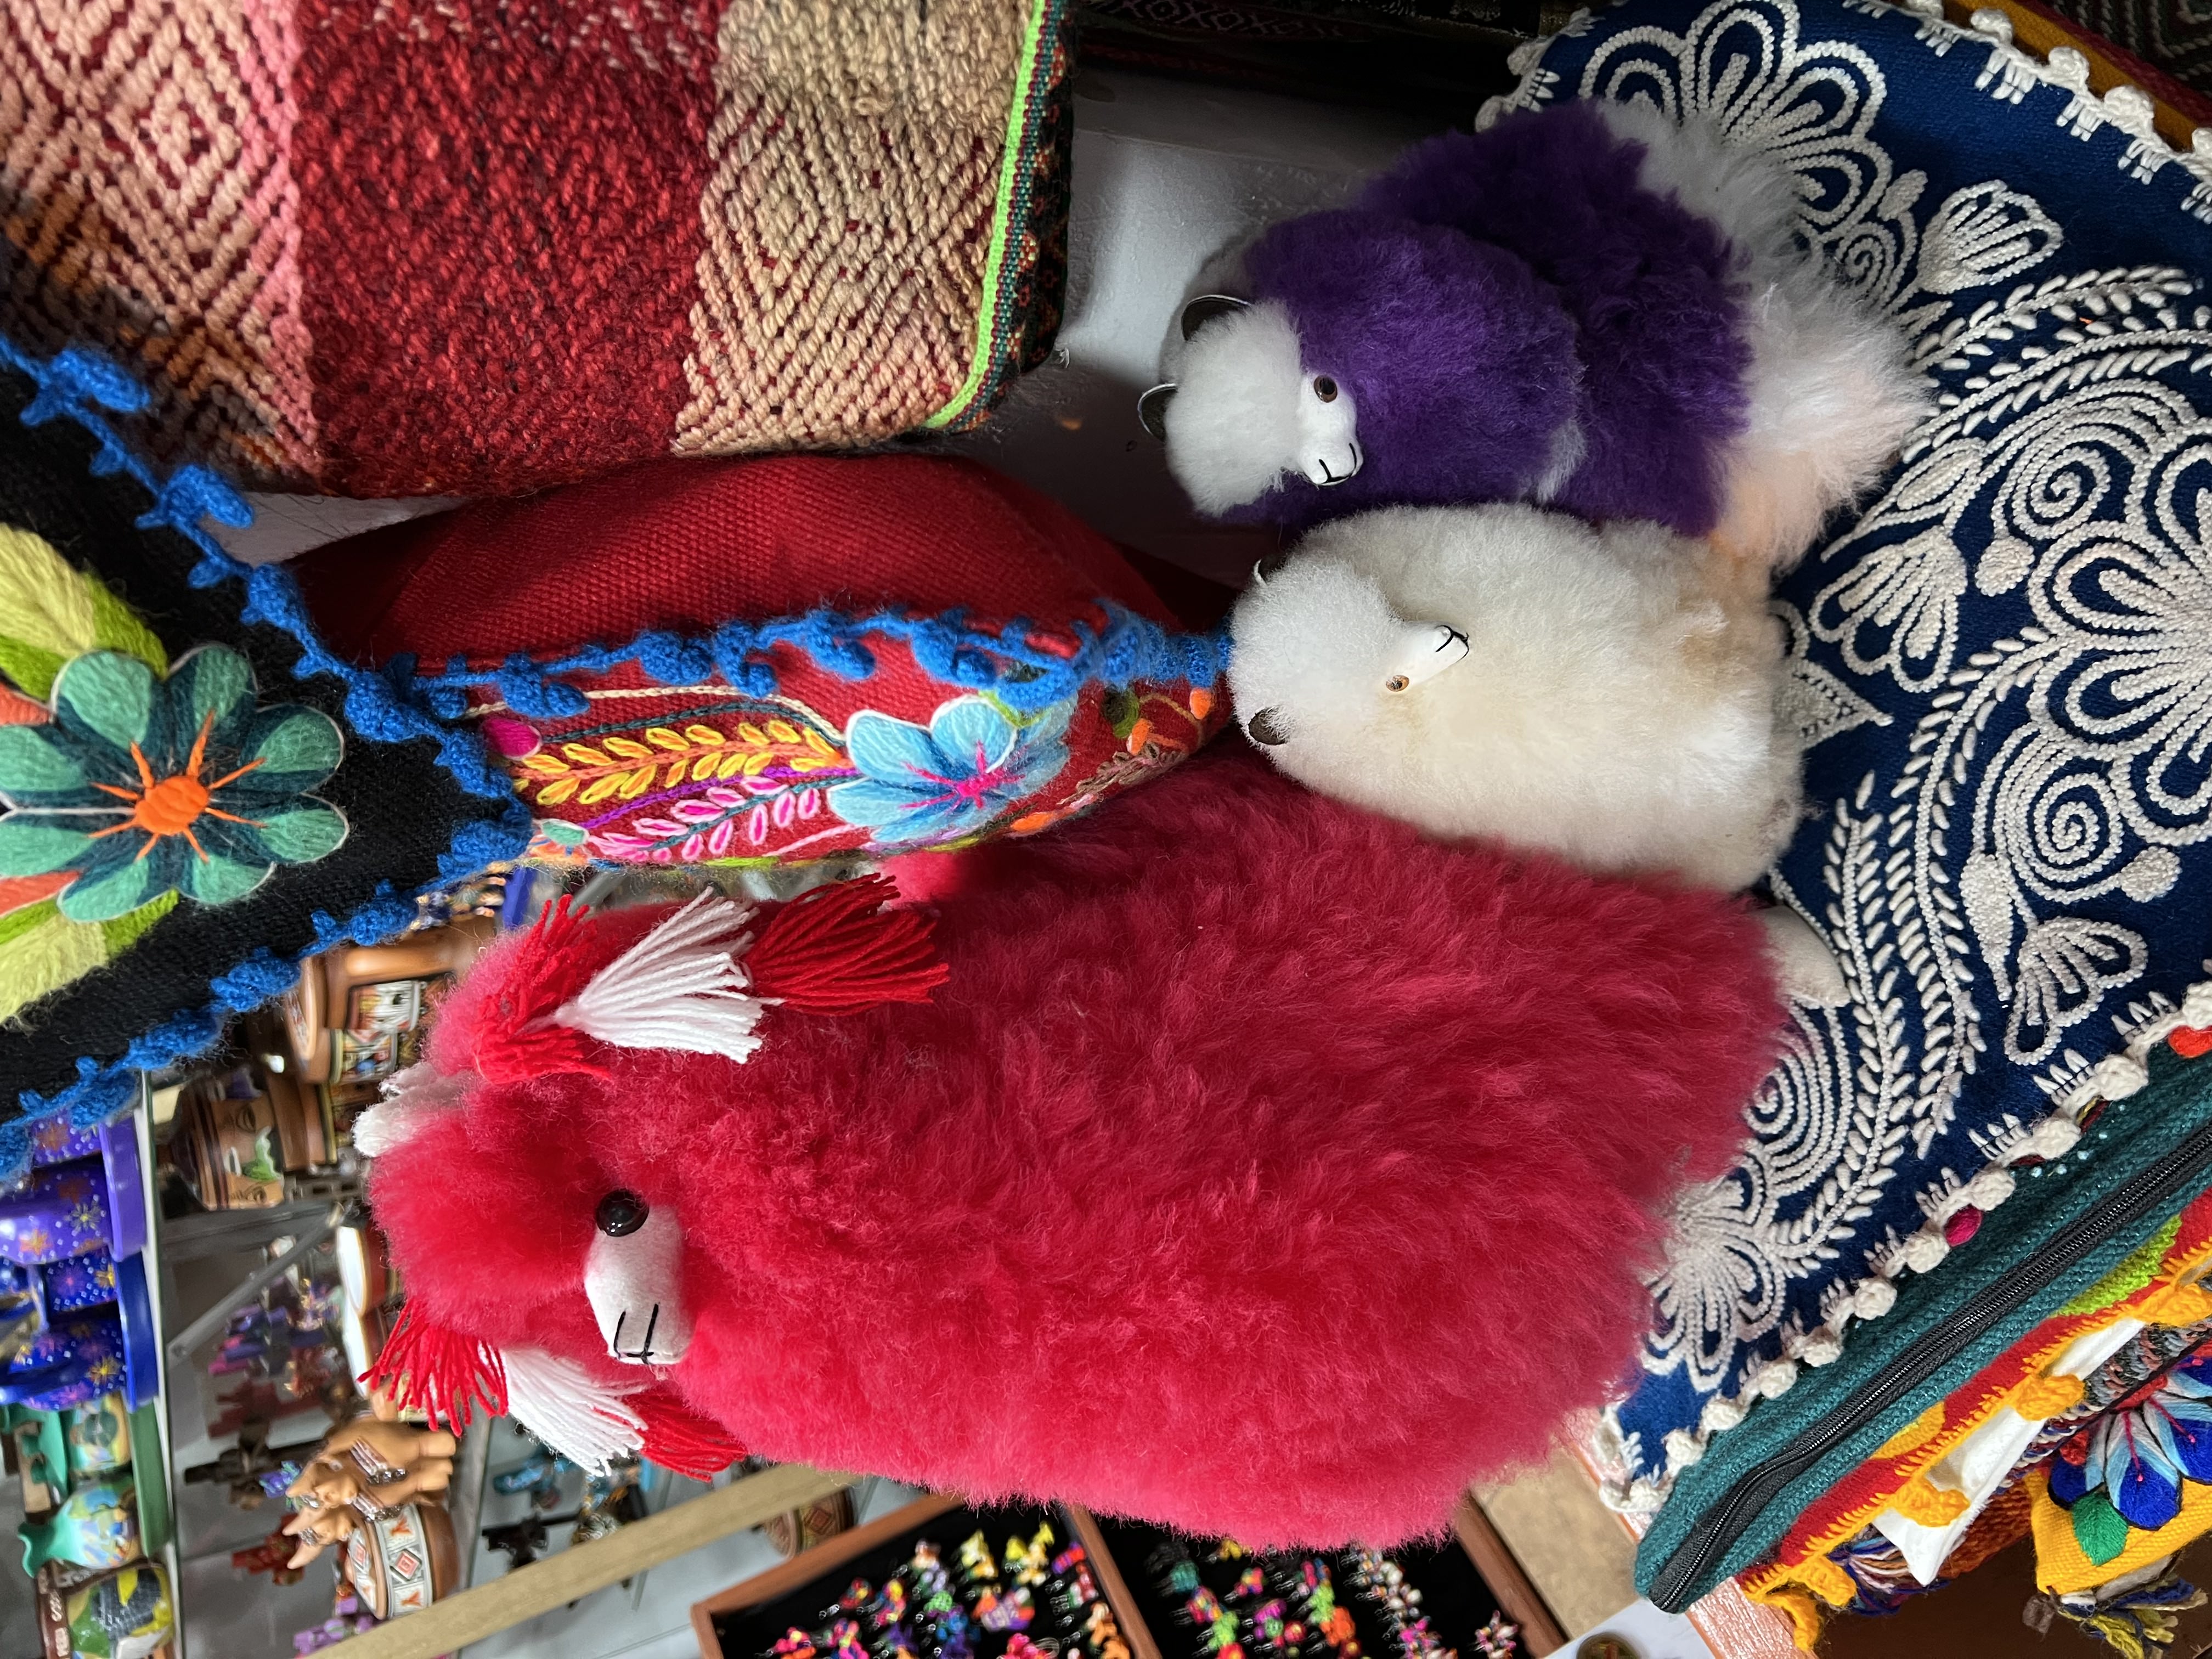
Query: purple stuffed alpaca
column 1589, row 306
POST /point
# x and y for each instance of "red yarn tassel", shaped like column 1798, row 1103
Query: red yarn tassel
column 519, row 1041
column 678, row 1438
column 426, row 1367
column 837, row 951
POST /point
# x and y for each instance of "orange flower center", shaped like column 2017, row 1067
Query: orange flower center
column 170, row 806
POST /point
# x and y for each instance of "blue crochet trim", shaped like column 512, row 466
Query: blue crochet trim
column 86, row 388
column 1024, row 677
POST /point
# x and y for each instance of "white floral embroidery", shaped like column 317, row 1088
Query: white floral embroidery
column 2064, row 762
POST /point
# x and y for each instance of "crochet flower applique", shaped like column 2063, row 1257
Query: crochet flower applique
column 138, row 785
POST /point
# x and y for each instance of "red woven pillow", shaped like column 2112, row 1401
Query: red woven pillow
column 782, row 660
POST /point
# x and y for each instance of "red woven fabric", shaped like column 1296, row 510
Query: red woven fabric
column 688, row 544
column 500, row 242
column 397, row 247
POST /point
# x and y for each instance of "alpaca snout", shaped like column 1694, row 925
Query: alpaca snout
column 633, row 1276
column 1333, row 466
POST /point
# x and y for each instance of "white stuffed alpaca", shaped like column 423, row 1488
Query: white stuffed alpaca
column 1605, row 695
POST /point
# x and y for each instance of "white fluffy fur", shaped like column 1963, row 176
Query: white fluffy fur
column 413, row 1098
column 1233, row 427
column 1616, row 706
column 1832, row 395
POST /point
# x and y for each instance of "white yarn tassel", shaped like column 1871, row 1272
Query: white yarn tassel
column 680, row 987
column 570, row 1410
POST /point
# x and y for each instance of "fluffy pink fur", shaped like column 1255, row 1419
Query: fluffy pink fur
column 1262, row 1169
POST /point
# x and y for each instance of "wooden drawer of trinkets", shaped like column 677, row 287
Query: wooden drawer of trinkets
column 1019, row 1576
column 1112, row 1590
column 1212, row 1599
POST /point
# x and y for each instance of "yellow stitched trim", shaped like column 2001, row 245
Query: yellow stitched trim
column 1803, row 1611
column 2062, row 1567
column 1798, row 1593
column 1930, row 1506
column 2177, row 1304
column 1916, row 1433
column 2045, row 1395
column 2182, row 1265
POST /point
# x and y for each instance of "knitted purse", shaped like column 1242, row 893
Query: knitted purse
column 821, row 655
column 197, row 795
column 393, row 247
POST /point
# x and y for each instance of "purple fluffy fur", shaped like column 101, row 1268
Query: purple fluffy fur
column 1434, row 334
column 1491, row 284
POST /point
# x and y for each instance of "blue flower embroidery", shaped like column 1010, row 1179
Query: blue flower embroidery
column 970, row 764
column 142, row 785
column 2140, row 1452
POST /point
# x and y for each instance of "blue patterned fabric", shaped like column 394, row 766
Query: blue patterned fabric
column 2002, row 662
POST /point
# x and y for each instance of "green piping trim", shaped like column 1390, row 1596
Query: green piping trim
column 1021, row 132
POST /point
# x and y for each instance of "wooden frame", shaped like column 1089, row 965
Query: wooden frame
column 1516, row 1596
column 1110, row 1580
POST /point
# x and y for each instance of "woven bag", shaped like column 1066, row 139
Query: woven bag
column 417, row 247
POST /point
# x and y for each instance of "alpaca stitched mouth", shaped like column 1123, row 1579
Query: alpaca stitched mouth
column 643, row 1352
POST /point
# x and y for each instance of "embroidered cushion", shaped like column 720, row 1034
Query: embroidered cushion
column 1999, row 661
column 824, row 655
column 195, row 794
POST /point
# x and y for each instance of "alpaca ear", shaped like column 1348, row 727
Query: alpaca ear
column 677, row 1438
column 1201, row 309
column 683, row 986
column 588, row 1422
column 839, row 950
column 1152, row 410
column 413, row 1099
column 680, row 987
column 449, row 1377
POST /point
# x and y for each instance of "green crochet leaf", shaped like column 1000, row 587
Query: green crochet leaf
column 23, row 917
column 115, row 629
column 2099, row 1528
column 55, row 612
column 124, row 931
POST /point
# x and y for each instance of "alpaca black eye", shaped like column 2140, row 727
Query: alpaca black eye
column 1262, row 728
column 1268, row 566
column 1324, row 388
column 621, row 1214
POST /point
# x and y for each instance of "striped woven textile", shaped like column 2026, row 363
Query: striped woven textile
column 389, row 247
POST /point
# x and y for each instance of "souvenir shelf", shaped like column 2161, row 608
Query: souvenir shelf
column 937, row 1580
column 85, row 1421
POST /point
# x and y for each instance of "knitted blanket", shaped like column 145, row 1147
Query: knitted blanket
column 386, row 247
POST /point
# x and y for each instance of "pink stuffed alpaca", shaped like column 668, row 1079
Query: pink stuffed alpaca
column 1257, row 1168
